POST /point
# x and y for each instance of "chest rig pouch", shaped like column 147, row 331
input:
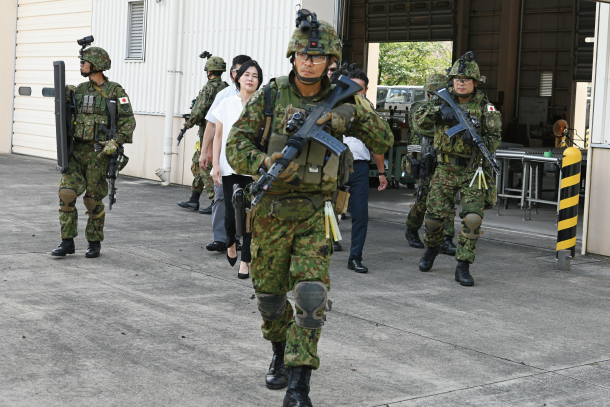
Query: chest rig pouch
column 316, row 163
column 91, row 112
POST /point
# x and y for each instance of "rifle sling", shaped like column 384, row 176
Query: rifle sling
column 264, row 133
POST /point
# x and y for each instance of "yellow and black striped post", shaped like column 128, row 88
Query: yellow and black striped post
column 568, row 204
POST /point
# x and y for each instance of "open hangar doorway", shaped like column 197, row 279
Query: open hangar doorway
column 532, row 53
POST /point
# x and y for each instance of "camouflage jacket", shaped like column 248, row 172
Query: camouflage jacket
column 416, row 132
column 427, row 116
column 244, row 156
column 88, row 118
column 204, row 102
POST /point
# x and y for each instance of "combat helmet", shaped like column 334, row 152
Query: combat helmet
column 328, row 43
column 435, row 82
column 215, row 64
column 97, row 56
column 466, row 66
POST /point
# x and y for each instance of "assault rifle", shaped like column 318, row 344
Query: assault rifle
column 185, row 116
column 310, row 130
column 469, row 123
column 110, row 133
column 427, row 164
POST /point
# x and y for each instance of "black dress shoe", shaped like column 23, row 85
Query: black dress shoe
column 357, row 266
column 277, row 376
column 206, row 211
column 217, row 247
column 337, row 247
column 93, row 250
column 413, row 239
column 232, row 260
column 297, row 394
column 65, row 247
column 192, row 204
column 462, row 274
column 242, row 275
column 427, row 260
column 447, row 247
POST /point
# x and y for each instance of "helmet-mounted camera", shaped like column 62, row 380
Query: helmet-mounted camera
column 205, row 54
column 307, row 23
column 467, row 57
column 84, row 43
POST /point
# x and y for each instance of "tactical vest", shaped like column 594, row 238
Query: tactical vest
column 91, row 111
column 455, row 145
column 317, row 165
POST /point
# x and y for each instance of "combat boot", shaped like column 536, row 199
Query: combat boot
column 427, row 260
column 193, row 202
column 447, row 247
column 277, row 376
column 413, row 239
column 93, row 250
column 297, row 394
column 206, row 211
column 65, row 247
column 462, row 274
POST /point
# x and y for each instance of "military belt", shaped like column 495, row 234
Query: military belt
column 451, row 159
column 81, row 141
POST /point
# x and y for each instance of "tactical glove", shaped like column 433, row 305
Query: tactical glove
column 290, row 171
column 447, row 113
column 110, row 147
column 467, row 138
column 340, row 117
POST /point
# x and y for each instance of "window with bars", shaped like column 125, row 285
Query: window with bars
column 136, row 30
column 546, row 84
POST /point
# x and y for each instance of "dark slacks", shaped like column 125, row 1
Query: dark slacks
column 227, row 187
column 359, row 204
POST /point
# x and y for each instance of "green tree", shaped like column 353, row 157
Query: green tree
column 410, row 63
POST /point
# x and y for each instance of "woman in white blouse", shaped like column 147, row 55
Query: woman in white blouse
column 247, row 80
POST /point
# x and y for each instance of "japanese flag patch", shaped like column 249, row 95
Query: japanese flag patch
column 491, row 108
column 124, row 100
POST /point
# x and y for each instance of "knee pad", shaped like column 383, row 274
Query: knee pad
column 433, row 226
column 310, row 297
column 91, row 204
column 271, row 306
column 471, row 228
column 67, row 199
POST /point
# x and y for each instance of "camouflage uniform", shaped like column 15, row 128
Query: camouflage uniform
column 415, row 219
column 203, row 178
column 289, row 250
column 87, row 169
column 450, row 178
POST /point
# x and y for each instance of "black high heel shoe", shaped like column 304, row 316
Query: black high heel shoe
column 242, row 275
column 231, row 260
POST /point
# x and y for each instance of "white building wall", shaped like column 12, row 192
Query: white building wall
column 258, row 28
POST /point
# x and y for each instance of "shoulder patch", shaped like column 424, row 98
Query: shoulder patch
column 123, row 100
column 491, row 108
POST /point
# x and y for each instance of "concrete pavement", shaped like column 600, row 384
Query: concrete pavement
column 159, row 321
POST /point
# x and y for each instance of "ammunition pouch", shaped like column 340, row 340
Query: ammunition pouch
column 341, row 200
column 121, row 162
column 67, row 199
column 410, row 165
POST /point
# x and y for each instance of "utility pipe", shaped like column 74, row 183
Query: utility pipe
column 519, row 60
column 170, row 92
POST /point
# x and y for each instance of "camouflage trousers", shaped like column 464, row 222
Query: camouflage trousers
column 203, row 177
column 447, row 180
column 415, row 218
column 285, row 253
column 86, row 173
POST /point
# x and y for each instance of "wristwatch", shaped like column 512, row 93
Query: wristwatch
column 385, row 174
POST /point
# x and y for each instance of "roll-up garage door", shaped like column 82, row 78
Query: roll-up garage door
column 46, row 31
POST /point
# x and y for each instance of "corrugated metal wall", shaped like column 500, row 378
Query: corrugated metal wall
column 259, row 28
column 47, row 31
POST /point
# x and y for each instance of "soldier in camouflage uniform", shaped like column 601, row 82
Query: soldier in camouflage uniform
column 214, row 67
column 88, row 164
column 290, row 251
column 415, row 219
column 458, row 161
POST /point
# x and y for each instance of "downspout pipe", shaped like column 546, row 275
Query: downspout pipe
column 170, row 92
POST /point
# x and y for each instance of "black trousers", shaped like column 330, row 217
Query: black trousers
column 227, row 187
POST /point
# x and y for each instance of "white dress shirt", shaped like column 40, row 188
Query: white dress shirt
column 357, row 148
column 229, row 91
column 227, row 112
